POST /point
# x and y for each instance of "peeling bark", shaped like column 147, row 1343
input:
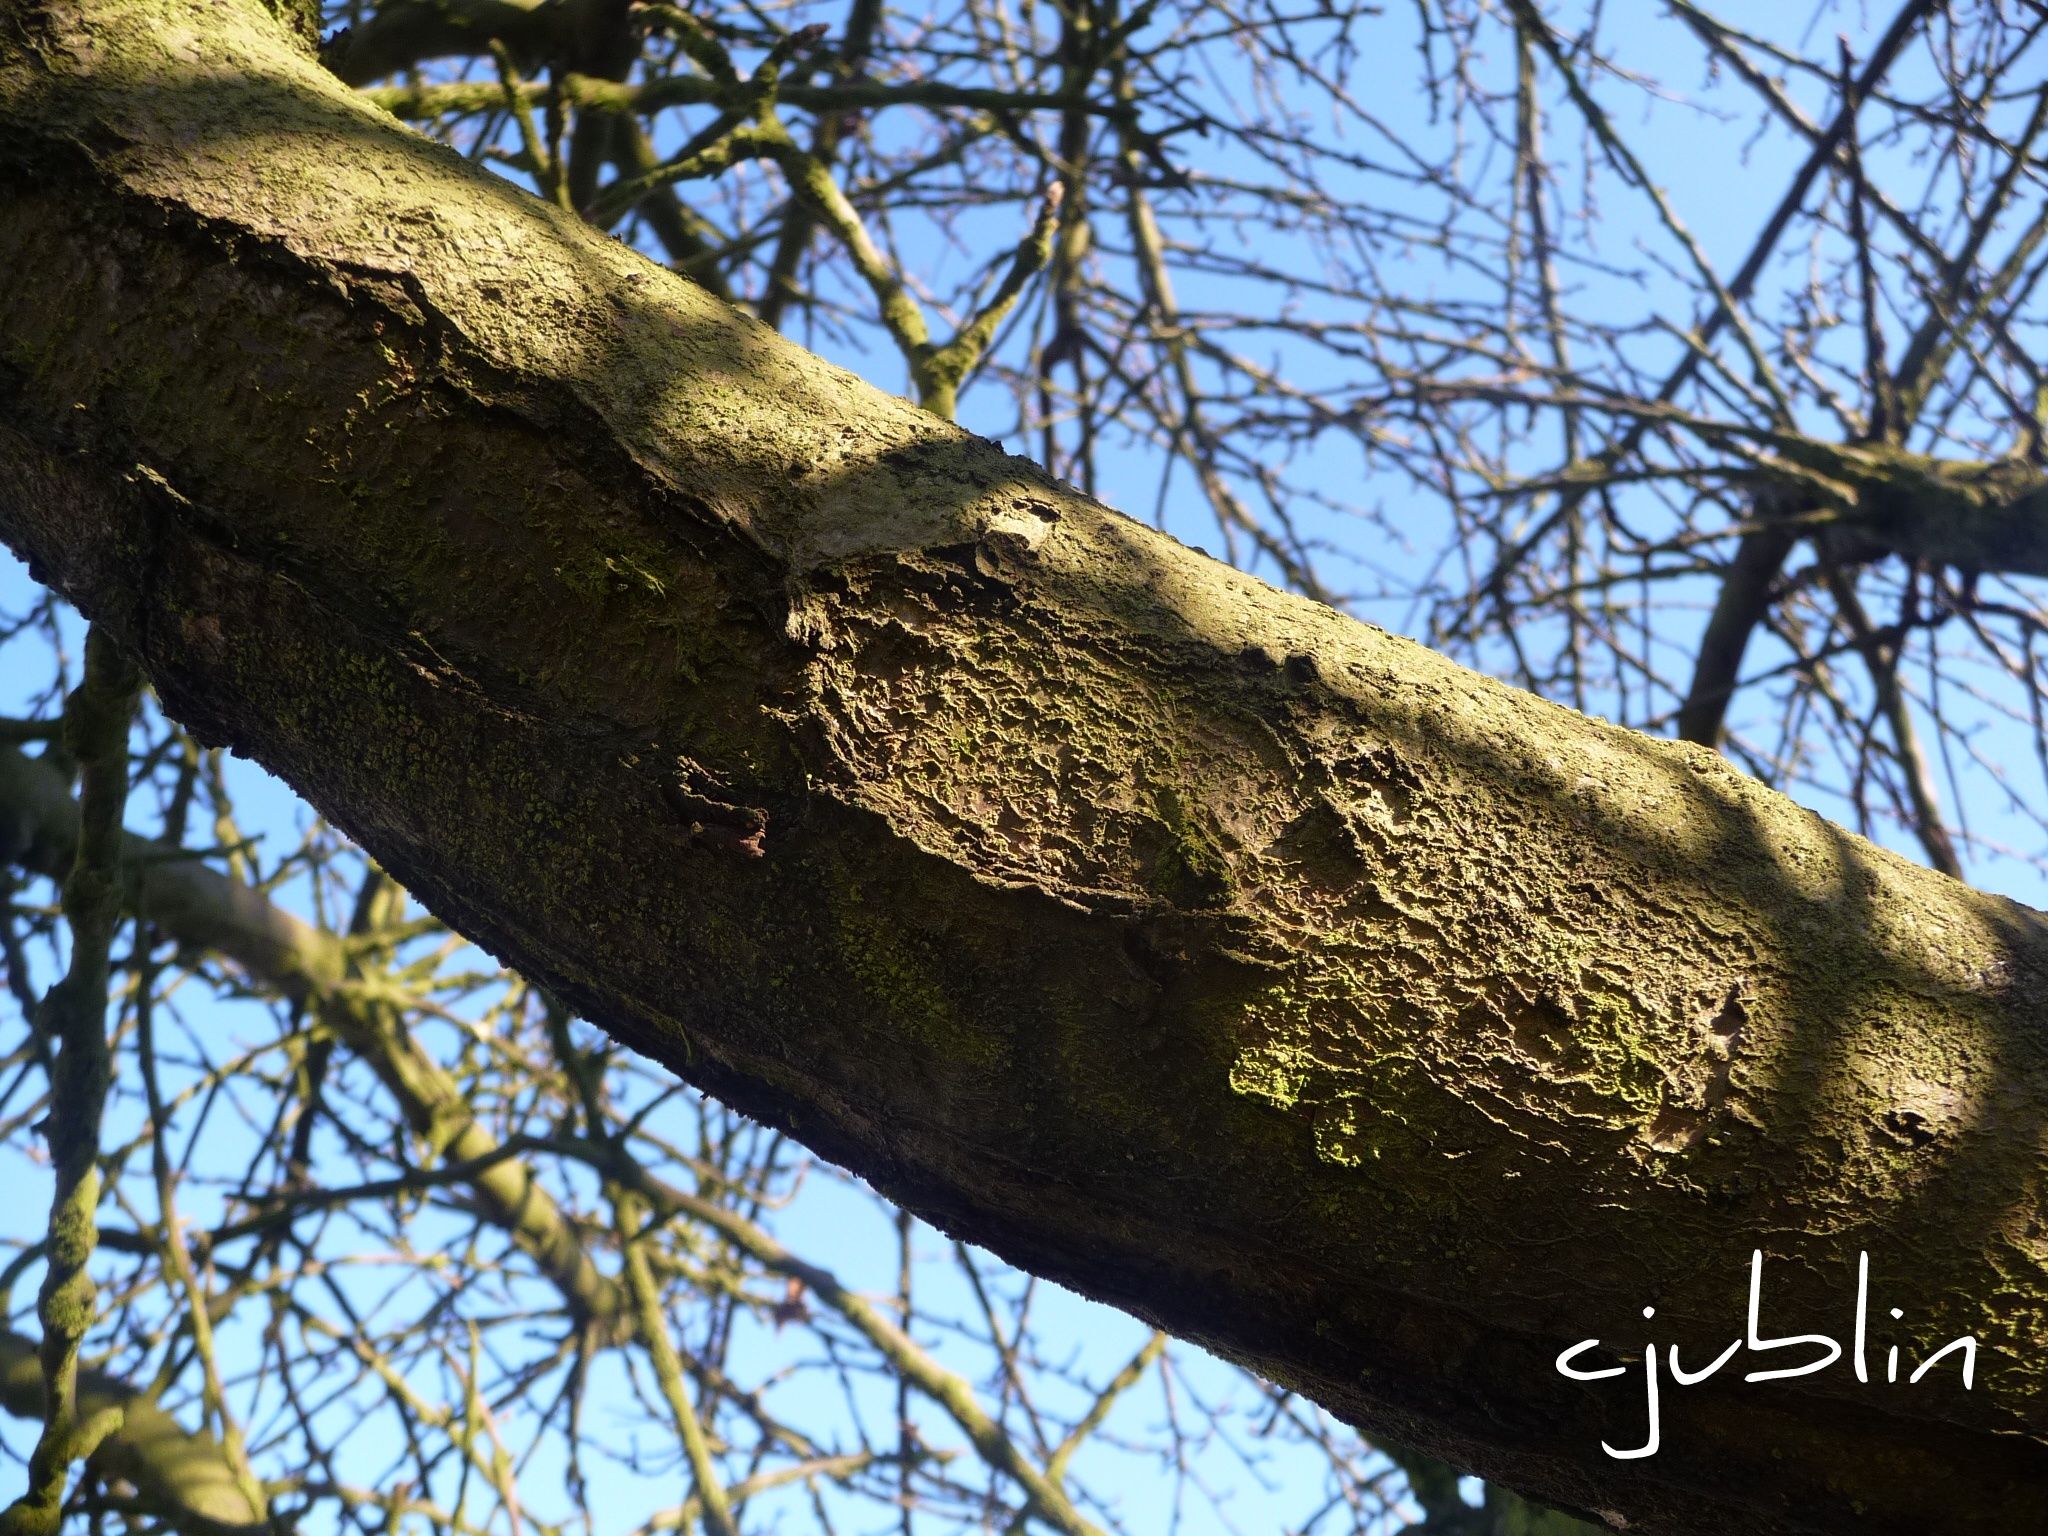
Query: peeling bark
column 1373, row 1023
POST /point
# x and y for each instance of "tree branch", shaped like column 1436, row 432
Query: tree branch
column 1271, row 977
column 183, row 1478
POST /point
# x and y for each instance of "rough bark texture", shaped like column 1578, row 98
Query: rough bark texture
column 1376, row 1024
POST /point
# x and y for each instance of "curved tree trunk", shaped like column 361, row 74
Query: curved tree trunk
column 1377, row 1025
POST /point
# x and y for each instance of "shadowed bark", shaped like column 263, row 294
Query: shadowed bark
column 1380, row 1026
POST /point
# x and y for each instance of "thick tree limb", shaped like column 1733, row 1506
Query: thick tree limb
column 1739, row 607
column 74, row 1015
column 185, row 1479
column 413, row 32
column 204, row 910
column 1374, row 1023
column 1974, row 514
column 1978, row 516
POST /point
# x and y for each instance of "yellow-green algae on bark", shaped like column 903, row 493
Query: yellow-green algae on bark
column 1370, row 1021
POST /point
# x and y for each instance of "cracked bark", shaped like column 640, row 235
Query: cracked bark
column 1373, row 1023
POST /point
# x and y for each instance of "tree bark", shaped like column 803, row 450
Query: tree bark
column 1377, row 1025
